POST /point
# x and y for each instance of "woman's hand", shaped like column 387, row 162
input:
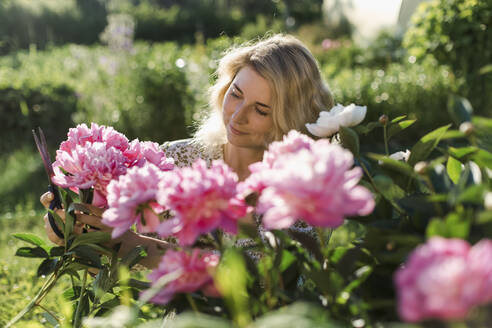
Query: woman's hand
column 128, row 240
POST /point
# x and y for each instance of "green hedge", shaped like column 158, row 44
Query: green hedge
column 24, row 109
column 419, row 90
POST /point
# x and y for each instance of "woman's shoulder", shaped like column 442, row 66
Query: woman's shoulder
column 186, row 151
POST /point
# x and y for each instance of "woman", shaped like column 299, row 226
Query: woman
column 263, row 90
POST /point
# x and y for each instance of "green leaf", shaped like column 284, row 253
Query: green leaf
column 287, row 260
column 46, row 267
column 88, row 256
column 32, row 252
column 454, row 169
column 365, row 129
column 462, row 152
column 93, row 237
column 350, row 140
column 426, row 145
column 459, row 109
column 31, row 239
column 57, row 251
column 398, row 127
column 454, row 226
column 483, row 158
column 393, row 164
column 453, row 134
column 473, row 194
column 58, row 220
column 134, row 256
column 487, row 69
column 398, row 119
column 51, row 319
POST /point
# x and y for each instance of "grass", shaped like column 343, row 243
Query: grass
column 18, row 274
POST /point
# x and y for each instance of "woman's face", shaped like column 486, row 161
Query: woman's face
column 247, row 111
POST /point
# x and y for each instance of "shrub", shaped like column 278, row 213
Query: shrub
column 47, row 22
column 457, row 33
column 419, row 90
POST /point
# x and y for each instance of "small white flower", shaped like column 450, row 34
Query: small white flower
column 329, row 122
column 400, row 155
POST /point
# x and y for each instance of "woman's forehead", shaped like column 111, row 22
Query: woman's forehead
column 252, row 84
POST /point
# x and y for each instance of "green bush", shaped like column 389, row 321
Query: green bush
column 457, row 33
column 50, row 22
column 419, row 90
column 23, row 109
column 143, row 93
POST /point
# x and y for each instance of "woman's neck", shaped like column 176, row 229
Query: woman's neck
column 239, row 158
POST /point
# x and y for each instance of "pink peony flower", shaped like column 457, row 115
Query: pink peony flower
column 91, row 165
column 202, row 200
column 131, row 199
column 197, row 273
column 97, row 133
column 309, row 180
column 141, row 152
column 443, row 279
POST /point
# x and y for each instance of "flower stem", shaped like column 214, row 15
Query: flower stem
column 192, row 302
column 385, row 133
column 77, row 322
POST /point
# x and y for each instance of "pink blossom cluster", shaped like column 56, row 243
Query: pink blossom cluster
column 132, row 199
column 300, row 178
column 444, row 279
column 93, row 157
column 202, row 199
column 197, row 269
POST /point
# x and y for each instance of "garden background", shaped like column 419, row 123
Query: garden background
column 144, row 66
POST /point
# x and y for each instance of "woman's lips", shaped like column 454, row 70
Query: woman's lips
column 235, row 131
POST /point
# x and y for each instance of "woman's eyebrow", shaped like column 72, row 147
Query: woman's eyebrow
column 241, row 91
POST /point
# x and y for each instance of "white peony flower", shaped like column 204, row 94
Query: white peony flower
column 329, row 122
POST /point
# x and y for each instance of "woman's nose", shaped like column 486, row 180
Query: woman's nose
column 240, row 114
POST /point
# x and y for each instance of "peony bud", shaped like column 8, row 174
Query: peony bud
column 383, row 119
column 467, row 128
column 420, row 167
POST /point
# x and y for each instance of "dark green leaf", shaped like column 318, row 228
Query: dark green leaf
column 426, row 145
column 32, row 252
column 134, row 256
column 46, row 267
column 88, row 256
column 365, row 129
column 459, row 109
column 138, row 284
column 93, row 237
column 398, row 127
column 287, row 260
column 454, row 169
column 350, row 140
column 57, row 251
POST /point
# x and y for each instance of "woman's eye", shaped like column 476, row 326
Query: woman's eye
column 234, row 94
column 261, row 112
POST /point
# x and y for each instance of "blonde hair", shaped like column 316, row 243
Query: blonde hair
column 299, row 93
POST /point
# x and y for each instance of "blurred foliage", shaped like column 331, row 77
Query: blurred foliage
column 47, row 22
column 419, row 90
column 457, row 33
